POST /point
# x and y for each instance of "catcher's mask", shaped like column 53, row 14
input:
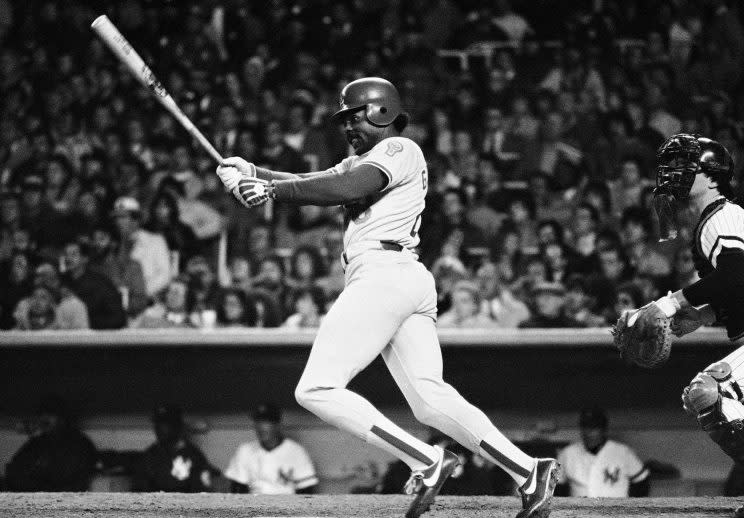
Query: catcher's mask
column 679, row 159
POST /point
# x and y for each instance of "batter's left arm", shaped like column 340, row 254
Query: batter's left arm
column 331, row 189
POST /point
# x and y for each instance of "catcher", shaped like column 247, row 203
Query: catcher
column 699, row 171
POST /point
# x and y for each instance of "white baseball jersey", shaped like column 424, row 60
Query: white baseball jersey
column 280, row 471
column 609, row 473
column 394, row 214
column 722, row 227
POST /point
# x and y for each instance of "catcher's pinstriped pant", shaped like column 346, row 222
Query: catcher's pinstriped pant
column 388, row 307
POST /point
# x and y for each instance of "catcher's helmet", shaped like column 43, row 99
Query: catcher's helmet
column 682, row 156
column 378, row 96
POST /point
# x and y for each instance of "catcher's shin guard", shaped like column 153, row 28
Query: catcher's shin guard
column 714, row 398
column 729, row 435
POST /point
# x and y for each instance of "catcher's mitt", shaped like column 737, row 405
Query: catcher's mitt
column 644, row 336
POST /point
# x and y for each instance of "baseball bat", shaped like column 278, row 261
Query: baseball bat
column 119, row 45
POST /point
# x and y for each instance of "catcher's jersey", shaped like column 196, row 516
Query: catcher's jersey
column 721, row 226
column 394, row 214
column 609, row 473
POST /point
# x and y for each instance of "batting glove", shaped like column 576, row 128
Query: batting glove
column 252, row 192
column 234, row 169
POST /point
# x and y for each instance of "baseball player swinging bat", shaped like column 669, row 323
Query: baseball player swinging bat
column 119, row 45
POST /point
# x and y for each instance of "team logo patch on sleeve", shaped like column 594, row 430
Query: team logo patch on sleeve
column 393, row 147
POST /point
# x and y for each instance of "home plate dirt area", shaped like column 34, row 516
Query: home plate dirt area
column 218, row 505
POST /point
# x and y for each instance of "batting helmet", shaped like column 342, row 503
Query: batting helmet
column 377, row 96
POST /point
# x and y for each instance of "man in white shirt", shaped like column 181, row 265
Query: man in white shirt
column 149, row 249
column 599, row 467
column 273, row 464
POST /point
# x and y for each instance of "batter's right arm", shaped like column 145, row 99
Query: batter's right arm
column 234, row 168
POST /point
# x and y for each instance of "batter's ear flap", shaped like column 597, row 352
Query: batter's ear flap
column 401, row 121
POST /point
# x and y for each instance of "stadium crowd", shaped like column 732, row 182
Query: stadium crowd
column 540, row 138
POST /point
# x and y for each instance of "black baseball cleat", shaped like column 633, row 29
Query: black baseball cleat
column 537, row 503
column 427, row 483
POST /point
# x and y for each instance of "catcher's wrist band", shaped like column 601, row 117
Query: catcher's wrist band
column 669, row 305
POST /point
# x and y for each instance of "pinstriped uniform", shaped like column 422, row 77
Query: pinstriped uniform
column 721, row 227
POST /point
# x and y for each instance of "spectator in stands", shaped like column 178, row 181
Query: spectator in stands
column 597, row 194
column 171, row 312
column 40, row 311
column 549, row 305
column 308, row 140
column 164, row 219
column 234, row 309
column 450, row 233
column 101, row 297
column 613, row 271
column 150, row 250
column 15, row 283
column 309, row 308
column 533, row 271
column 172, row 463
column 308, row 224
column 465, row 312
column 69, row 311
column 628, row 296
column 580, row 304
column 57, row 456
column 521, row 212
column 272, row 464
column 270, row 278
column 497, row 301
column 305, row 267
column 258, row 245
column 464, row 157
column 598, row 466
column 10, row 222
column 550, row 203
column 239, row 270
column 203, row 291
column 125, row 272
column 277, row 155
column 584, row 233
column 558, row 262
column 45, row 225
column 628, row 188
column 186, row 188
column 639, row 248
column 61, row 185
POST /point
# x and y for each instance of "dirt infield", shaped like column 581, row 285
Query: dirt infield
column 170, row 505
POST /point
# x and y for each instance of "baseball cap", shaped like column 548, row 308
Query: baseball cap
column 127, row 206
column 593, row 417
column 267, row 412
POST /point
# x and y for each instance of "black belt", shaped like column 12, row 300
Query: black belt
column 391, row 245
column 385, row 245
